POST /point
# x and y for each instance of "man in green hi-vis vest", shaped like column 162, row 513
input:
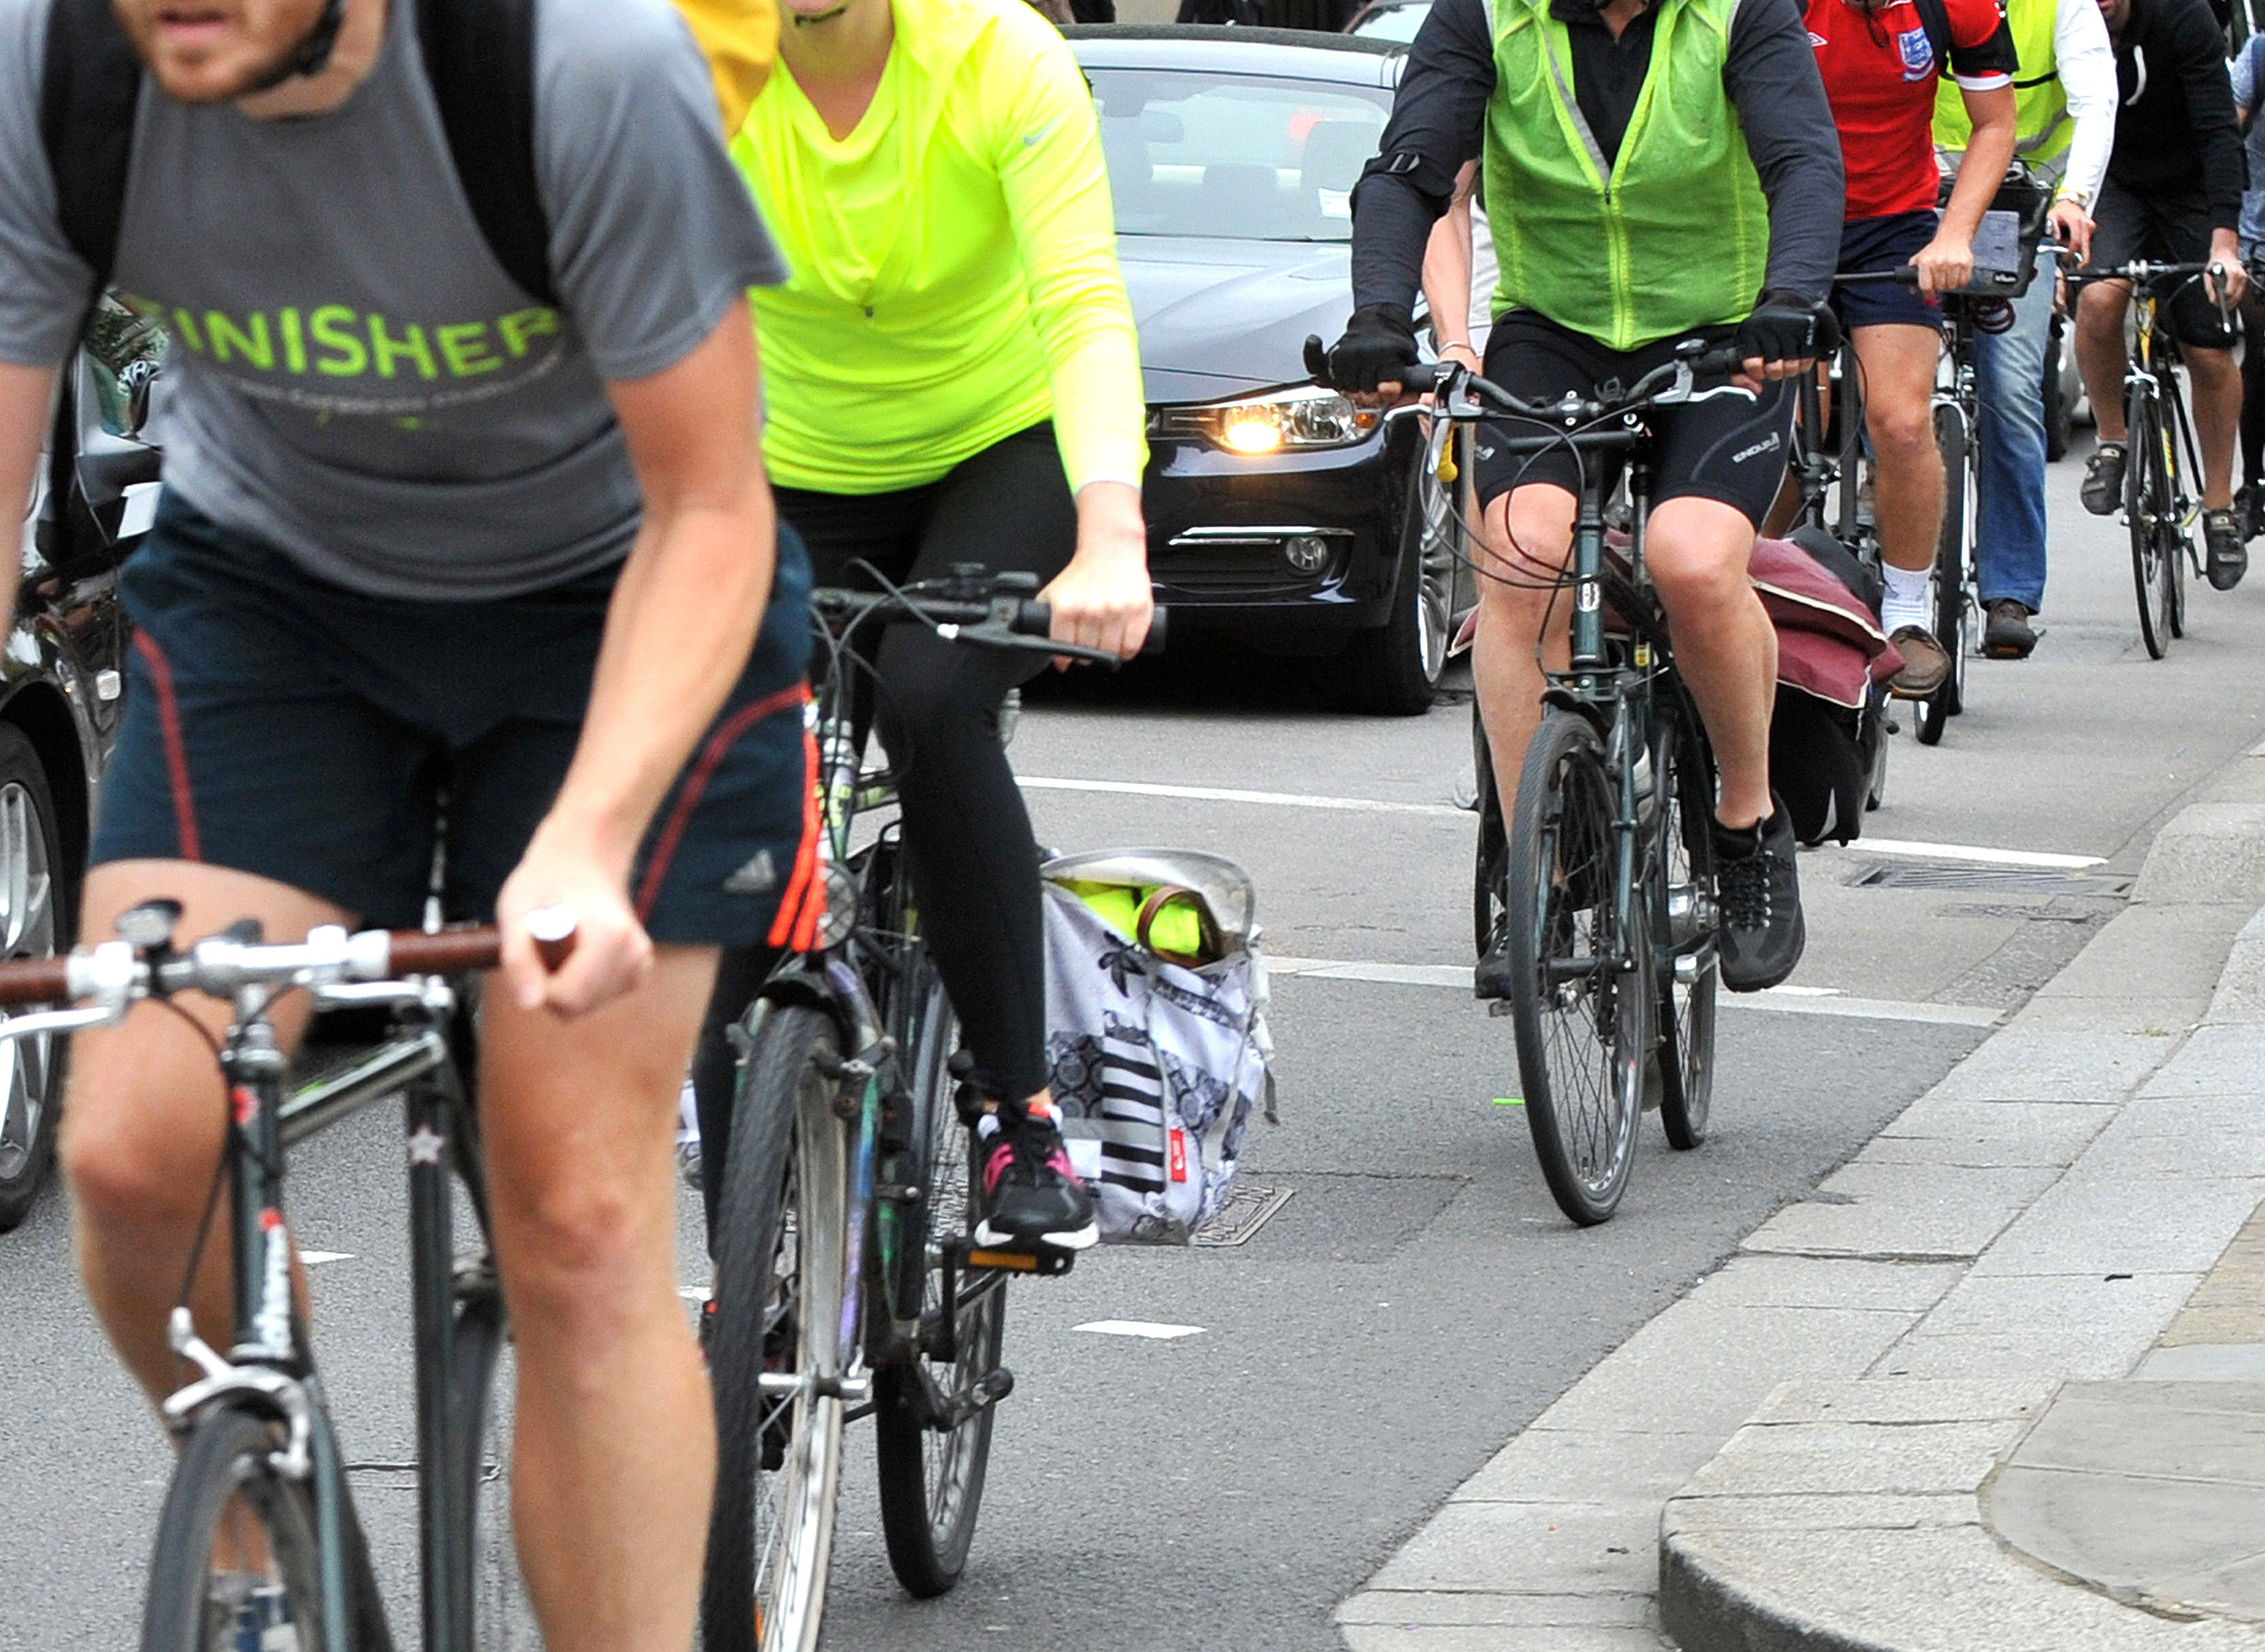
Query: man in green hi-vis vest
column 1653, row 173
column 2065, row 126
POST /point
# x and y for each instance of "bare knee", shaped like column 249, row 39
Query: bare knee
column 134, row 1150
column 573, row 1253
column 1699, row 577
column 1902, row 436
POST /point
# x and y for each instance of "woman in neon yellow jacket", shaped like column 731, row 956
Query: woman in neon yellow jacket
column 954, row 378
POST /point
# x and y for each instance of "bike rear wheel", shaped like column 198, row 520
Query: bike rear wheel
column 1948, row 621
column 1683, row 927
column 236, row 1534
column 780, row 1255
column 931, row 1474
column 2147, row 504
column 1579, row 995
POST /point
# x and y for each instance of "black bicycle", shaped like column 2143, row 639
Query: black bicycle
column 847, row 1283
column 259, row 1516
column 2162, row 470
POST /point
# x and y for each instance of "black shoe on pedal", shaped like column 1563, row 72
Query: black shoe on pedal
column 2103, row 492
column 1758, row 888
column 1031, row 1195
column 2227, row 558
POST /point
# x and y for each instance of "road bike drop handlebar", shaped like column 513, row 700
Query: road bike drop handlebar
column 109, row 977
column 991, row 611
column 1463, row 394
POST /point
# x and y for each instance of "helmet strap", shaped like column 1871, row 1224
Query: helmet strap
column 312, row 56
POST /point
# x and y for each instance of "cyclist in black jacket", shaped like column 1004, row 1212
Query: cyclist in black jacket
column 2173, row 194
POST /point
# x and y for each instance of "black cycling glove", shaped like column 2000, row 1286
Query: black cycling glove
column 1378, row 347
column 1786, row 327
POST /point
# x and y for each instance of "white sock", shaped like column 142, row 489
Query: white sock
column 1905, row 602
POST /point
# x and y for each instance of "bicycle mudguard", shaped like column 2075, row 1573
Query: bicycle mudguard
column 1563, row 699
column 801, row 980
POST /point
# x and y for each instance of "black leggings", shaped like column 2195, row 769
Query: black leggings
column 966, row 834
column 2253, row 392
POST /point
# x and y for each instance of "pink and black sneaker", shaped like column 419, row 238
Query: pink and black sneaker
column 1031, row 1195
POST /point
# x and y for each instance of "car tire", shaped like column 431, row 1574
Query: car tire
column 31, row 926
column 1393, row 669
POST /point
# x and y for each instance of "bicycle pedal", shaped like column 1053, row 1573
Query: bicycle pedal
column 1497, row 1008
column 1044, row 1260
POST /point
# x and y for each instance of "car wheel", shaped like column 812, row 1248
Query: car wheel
column 1394, row 670
column 32, row 923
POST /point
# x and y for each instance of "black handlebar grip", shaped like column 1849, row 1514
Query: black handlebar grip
column 1159, row 618
column 1317, row 359
column 1032, row 619
column 1720, row 362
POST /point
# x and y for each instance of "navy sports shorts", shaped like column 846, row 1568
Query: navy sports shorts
column 278, row 724
column 1886, row 243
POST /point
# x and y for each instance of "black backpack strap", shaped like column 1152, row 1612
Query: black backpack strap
column 479, row 56
column 92, row 81
column 1935, row 17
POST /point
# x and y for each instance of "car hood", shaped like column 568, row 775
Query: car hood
column 1220, row 318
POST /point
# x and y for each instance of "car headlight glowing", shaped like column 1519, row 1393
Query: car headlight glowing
column 1308, row 417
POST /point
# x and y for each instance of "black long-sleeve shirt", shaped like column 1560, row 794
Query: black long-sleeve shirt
column 2176, row 130
column 1438, row 119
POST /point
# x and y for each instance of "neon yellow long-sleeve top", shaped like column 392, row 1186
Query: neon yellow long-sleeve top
column 954, row 260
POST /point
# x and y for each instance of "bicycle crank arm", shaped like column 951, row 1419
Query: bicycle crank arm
column 945, row 1415
column 792, row 1385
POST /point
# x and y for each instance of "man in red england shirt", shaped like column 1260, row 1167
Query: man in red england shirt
column 1880, row 62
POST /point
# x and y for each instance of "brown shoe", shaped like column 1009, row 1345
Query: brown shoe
column 1926, row 663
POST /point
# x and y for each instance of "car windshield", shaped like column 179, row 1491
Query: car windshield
column 1393, row 23
column 1235, row 156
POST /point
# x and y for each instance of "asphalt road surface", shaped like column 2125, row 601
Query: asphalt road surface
column 1418, row 1297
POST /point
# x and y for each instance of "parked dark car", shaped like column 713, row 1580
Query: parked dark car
column 1277, row 511
column 1389, row 20
column 61, row 688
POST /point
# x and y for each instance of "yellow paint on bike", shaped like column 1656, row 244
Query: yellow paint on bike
column 1510, row 1101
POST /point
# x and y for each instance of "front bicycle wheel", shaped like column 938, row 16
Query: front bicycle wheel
column 781, row 1237
column 2148, row 508
column 1582, row 1033
column 934, row 1411
column 235, row 1546
column 1948, row 620
column 1689, row 971
column 503, row 1616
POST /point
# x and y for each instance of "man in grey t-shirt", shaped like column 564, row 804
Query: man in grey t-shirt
column 424, row 529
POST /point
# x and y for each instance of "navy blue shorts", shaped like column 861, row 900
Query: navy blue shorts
column 278, row 724
column 1885, row 243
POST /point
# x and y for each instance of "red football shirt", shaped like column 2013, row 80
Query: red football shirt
column 1880, row 73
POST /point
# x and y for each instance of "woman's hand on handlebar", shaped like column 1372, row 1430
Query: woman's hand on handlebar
column 1103, row 599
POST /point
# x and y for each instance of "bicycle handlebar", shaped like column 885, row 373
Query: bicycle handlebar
column 1001, row 620
column 1669, row 381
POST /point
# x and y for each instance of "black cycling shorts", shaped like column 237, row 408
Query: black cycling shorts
column 2170, row 228
column 281, row 725
column 1731, row 448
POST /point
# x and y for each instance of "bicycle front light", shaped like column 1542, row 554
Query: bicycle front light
column 1304, row 417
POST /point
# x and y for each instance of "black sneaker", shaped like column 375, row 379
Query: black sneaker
column 2103, row 480
column 1031, row 1194
column 2249, row 510
column 2008, row 635
column 2228, row 558
column 1761, row 935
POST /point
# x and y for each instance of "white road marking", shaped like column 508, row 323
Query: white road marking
column 1792, row 1001
column 693, row 1293
column 1973, row 853
column 1227, row 794
column 1967, row 852
column 1140, row 1327
column 316, row 1258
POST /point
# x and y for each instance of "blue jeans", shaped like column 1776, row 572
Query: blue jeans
column 2011, row 524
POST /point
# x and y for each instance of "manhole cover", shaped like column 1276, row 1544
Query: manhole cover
column 1249, row 1209
column 2003, row 880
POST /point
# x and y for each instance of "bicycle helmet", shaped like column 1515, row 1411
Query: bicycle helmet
column 312, row 55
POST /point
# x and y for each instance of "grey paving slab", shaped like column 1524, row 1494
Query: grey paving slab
column 2214, row 1060
column 1977, row 1152
column 1820, row 1459
column 2241, row 994
column 2138, row 1304
column 2171, row 1431
column 1416, row 1637
column 2148, row 958
column 2207, row 851
column 1492, row 1547
column 2169, row 1135
column 2204, row 1362
column 2040, row 1064
column 1852, row 1511
column 1827, row 1282
column 1954, row 1119
column 1911, row 1400
column 1917, row 1210
column 1455, row 1608
column 2101, row 1218
column 2082, row 1351
column 1546, row 1464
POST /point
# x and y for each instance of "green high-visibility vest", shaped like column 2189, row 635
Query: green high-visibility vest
column 2041, row 128
column 1673, row 235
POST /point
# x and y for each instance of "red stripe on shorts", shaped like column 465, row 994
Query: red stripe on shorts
column 703, row 772
column 803, row 905
column 176, row 754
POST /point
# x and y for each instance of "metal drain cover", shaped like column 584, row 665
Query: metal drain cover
column 2000, row 880
column 1248, row 1210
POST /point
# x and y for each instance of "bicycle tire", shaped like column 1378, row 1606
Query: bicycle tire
column 931, row 1480
column 1683, row 926
column 226, row 1464
column 1583, row 1037
column 780, row 1247
column 503, row 1614
column 2144, row 508
column 1931, row 716
column 1490, row 866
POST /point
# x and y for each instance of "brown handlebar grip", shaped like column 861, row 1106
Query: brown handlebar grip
column 447, row 952
column 35, row 981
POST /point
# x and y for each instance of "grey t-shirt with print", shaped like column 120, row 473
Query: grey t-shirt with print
column 358, row 383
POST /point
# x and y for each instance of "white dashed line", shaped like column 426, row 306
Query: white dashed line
column 1226, row 794
column 316, row 1258
column 1967, row 852
column 1141, row 1327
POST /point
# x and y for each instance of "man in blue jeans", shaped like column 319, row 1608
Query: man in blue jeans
column 2065, row 96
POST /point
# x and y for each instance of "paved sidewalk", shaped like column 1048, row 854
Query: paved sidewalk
column 1796, row 1453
